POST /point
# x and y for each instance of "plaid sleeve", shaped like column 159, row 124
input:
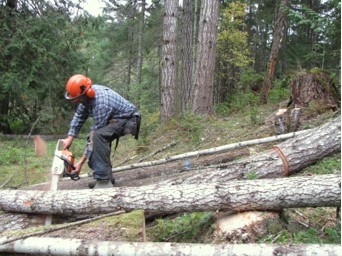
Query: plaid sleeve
column 78, row 120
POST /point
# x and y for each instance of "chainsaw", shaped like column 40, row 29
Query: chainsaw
column 68, row 159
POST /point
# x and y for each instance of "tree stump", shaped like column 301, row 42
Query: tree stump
column 286, row 121
column 315, row 86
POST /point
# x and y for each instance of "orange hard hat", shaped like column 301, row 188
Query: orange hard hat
column 76, row 86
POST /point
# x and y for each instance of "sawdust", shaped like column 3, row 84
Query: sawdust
column 39, row 145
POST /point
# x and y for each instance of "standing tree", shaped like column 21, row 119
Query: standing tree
column 130, row 40
column 272, row 62
column 186, row 79
column 140, row 47
column 205, row 63
column 169, row 60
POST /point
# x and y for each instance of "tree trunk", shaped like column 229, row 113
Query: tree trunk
column 52, row 246
column 277, row 37
column 206, row 54
column 284, row 159
column 140, row 49
column 186, row 81
column 130, row 46
column 170, row 61
column 234, row 196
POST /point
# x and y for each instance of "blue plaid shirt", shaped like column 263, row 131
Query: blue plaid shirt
column 106, row 105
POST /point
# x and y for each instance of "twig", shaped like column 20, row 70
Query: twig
column 25, row 155
column 157, row 151
column 275, row 239
column 300, row 214
column 59, row 227
column 6, row 182
column 302, row 223
column 126, row 160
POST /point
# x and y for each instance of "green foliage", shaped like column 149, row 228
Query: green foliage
column 252, row 175
column 332, row 235
column 39, row 54
column 329, row 235
column 255, row 116
column 10, row 155
column 190, row 126
column 249, row 79
column 232, row 48
column 232, row 40
column 327, row 165
column 316, row 29
column 243, row 99
column 188, row 227
column 222, row 109
column 279, row 93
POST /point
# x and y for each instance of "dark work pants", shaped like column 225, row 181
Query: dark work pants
column 99, row 143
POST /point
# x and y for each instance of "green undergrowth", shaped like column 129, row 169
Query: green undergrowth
column 187, row 227
column 20, row 166
column 307, row 226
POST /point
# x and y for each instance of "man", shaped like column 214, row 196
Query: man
column 113, row 116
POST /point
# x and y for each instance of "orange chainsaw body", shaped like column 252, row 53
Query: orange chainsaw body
column 69, row 157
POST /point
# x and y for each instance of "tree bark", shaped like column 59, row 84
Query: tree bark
column 186, row 81
column 234, row 196
column 130, row 42
column 140, row 49
column 277, row 37
column 314, row 87
column 170, row 61
column 52, row 246
column 284, row 159
column 206, row 55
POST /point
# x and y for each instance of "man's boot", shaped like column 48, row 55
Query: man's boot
column 103, row 184
column 92, row 183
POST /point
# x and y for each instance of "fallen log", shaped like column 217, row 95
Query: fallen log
column 148, row 175
column 52, row 246
column 235, row 196
column 301, row 151
column 284, row 159
column 208, row 151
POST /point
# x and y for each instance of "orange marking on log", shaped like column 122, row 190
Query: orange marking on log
column 28, row 203
column 283, row 158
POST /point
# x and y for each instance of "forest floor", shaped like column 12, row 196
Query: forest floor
column 186, row 136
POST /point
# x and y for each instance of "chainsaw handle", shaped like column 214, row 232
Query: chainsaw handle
column 69, row 163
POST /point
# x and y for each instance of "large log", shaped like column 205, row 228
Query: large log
column 209, row 151
column 284, row 159
column 267, row 194
column 52, row 246
column 307, row 148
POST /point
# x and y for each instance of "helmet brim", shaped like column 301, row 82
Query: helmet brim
column 66, row 96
